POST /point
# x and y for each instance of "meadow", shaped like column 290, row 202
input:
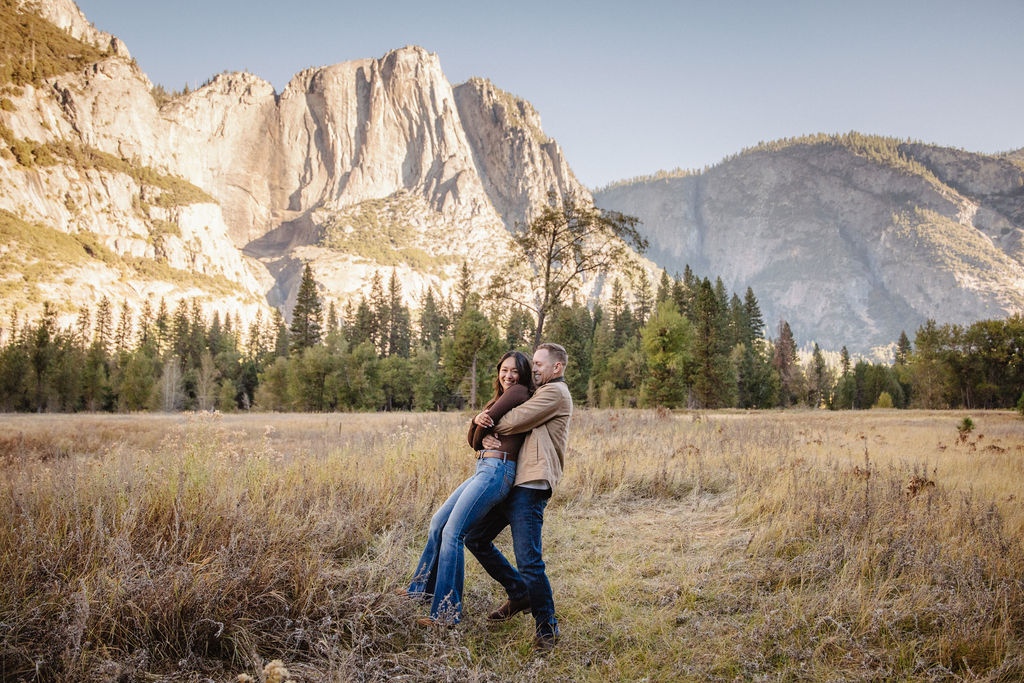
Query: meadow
column 797, row 545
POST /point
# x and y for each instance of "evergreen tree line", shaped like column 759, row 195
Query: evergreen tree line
column 684, row 342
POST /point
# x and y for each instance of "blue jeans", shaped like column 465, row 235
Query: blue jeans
column 523, row 510
column 441, row 568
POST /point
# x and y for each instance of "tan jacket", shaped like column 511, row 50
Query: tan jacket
column 547, row 413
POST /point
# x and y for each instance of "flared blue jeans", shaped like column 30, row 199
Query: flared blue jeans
column 441, row 569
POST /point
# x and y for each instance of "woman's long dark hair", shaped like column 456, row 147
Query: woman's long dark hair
column 525, row 368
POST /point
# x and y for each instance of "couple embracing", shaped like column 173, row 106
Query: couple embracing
column 520, row 440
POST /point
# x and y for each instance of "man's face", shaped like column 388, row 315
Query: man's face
column 543, row 369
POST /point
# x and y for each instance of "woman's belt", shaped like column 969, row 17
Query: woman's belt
column 501, row 455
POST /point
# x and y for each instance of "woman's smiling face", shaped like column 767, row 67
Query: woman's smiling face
column 507, row 373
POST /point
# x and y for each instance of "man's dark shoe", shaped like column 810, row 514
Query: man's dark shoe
column 509, row 610
column 546, row 638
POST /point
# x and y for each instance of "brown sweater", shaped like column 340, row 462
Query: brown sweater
column 515, row 395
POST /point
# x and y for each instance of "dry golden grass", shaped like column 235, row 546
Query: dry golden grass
column 761, row 546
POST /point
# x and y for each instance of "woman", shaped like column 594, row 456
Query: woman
column 441, row 569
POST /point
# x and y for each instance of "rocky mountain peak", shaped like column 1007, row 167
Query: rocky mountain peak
column 240, row 83
column 518, row 163
column 508, row 110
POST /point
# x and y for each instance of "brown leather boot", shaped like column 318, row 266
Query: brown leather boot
column 509, row 610
column 546, row 638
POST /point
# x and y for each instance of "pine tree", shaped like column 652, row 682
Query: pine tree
column 381, row 320
column 709, row 360
column 83, row 326
column 123, row 334
column 307, row 316
column 104, row 324
column 682, row 295
column 934, row 377
column 573, row 328
column 161, row 326
column 902, row 349
column 282, row 339
column 13, row 325
column 465, row 297
column 644, row 300
column 786, row 364
column 215, row 335
column 690, row 281
column 468, row 354
column 738, row 324
column 664, row 288
column 66, row 373
column 820, row 380
column 757, row 383
column 727, row 332
column 666, row 343
column 332, row 318
column 400, row 328
column 434, row 322
column 519, row 329
column 146, row 324
column 754, row 319
column 686, row 292
column 361, row 326
column 138, row 380
column 256, row 344
column 621, row 316
column 721, row 294
column 601, row 384
column 95, row 379
column 843, row 397
column 197, row 335
column 42, row 352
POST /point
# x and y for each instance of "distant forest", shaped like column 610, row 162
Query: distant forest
column 685, row 342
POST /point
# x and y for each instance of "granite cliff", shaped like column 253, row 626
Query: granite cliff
column 851, row 239
column 368, row 164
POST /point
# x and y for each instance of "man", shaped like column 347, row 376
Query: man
column 538, row 471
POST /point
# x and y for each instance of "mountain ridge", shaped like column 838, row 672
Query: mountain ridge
column 849, row 238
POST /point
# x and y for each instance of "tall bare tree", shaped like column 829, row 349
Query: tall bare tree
column 568, row 241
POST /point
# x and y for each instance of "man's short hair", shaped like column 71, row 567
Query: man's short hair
column 557, row 351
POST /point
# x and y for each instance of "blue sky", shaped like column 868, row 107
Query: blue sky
column 628, row 88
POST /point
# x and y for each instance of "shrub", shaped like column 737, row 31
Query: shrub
column 22, row 150
column 884, row 400
column 965, row 427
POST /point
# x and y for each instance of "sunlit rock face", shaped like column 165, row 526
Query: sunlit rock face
column 354, row 167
